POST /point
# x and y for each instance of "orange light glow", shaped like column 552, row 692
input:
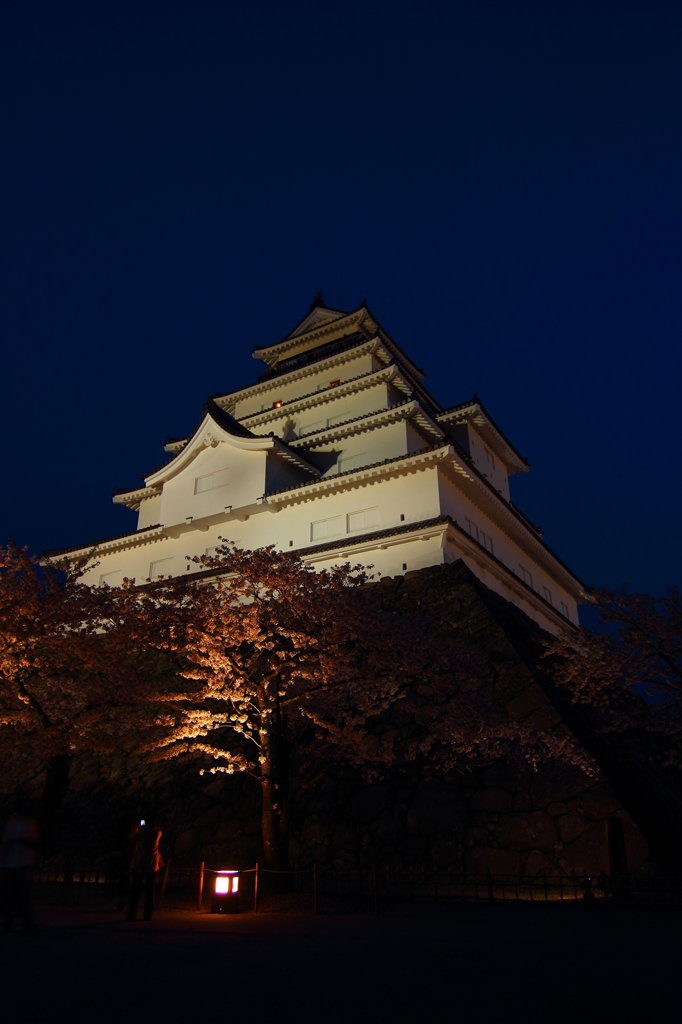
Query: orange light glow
column 222, row 882
column 276, row 405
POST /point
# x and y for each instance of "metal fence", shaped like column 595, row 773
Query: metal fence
column 328, row 890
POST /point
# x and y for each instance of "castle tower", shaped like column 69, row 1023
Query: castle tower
column 340, row 453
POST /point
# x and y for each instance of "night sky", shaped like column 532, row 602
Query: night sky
column 501, row 181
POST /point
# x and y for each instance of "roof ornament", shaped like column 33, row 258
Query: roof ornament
column 318, row 302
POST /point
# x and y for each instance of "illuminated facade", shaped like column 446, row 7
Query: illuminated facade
column 339, row 452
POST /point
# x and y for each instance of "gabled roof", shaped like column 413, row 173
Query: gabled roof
column 341, row 323
column 478, row 415
column 233, row 431
column 319, row 313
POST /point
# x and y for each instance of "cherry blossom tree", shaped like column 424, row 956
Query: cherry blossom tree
column 68, row 680
column 286, row 668
column 630, row 674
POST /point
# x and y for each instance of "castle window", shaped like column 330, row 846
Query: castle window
column 352, row 462
column 487, row 542
column 211, row 481
column 325, row 528
column 111, row 579
column 334, row 383
column 308, row 428
column 564, row 610
column 548, row 595
column 491, row 458
column 364, row 520
column 160, row 568
column 472, row 528
column 526, row 576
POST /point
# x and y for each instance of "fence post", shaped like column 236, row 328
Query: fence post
column 315, row 893
column 376, row 890
column 491, row 894
column 163, row 885
column 255, row 889
column 200, row 894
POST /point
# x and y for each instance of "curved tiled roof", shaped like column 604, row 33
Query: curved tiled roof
column 52, row 552
column 477, row 401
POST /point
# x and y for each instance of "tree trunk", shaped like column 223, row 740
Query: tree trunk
column 274, row 778
column 54, row 791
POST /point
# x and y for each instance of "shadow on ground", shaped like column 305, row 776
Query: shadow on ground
column 484, row 963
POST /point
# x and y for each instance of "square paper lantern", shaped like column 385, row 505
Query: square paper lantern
column 225, row 897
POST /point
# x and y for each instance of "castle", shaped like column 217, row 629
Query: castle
column 338, row 452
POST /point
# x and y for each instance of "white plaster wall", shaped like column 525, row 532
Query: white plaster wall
column 368, row 446
column 394, row 560
column 246, row 483
column 334, row 405
column 506, row 547
column 150, row 512
column 281, row 390
column 497, row 474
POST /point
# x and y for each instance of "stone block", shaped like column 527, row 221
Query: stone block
column 526, row 831
column 599, row 802
column 544, row 718
column 570, row 826
column 214, row 789
column 635, row 844
column 522, row 801
column 368, row 804
column 538, row 862
column 526, row 702
column 369, row 855
column 185, row 842
column 436, row 808
column 443, row 852
column 412, row 846
column 544, row 792
column 315, row 828
column 481, row 859
column 494, row 800
column 589, row 854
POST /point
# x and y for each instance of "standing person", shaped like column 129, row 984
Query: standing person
column 17, row 856
column 146, row 862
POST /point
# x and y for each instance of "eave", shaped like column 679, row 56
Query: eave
column 361, row 319
column 456, row 463
column 475, row 413
column 358, row 319
column 371, row 421
column 134, row 498
column 211, row 433
column 387, row 375
column 134, row 538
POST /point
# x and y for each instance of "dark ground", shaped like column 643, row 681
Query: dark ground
column 456, row 962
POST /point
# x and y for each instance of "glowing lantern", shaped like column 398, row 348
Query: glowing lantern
column 225, row 892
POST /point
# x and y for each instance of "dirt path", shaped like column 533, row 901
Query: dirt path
column 451, row 963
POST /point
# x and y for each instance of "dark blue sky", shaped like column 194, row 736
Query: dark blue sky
column 502, row 181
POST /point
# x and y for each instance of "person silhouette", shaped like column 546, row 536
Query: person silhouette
column 17, row 856
column 144, row 866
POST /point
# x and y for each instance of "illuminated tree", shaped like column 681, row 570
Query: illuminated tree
column 282, row 665
column 67, row 680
